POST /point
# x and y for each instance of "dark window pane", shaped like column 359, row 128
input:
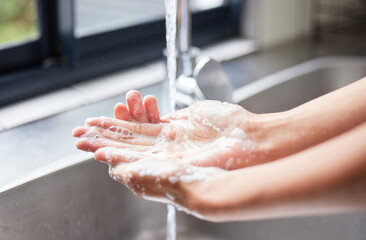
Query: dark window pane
column 96, row 16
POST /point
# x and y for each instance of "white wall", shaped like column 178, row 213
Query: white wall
column 274, row 22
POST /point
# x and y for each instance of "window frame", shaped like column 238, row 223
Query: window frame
column 60, row 59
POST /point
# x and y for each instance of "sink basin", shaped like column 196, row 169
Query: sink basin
column 81, row 201
column 294, row 86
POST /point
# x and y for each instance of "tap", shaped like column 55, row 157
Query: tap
column 198, row 77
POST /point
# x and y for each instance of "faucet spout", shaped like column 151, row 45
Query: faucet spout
column 208, row 81
column 186, row 54
column 196, row 80
column 184, row 26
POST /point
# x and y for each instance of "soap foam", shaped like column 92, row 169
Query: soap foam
column 238, row 133
column 174, row 171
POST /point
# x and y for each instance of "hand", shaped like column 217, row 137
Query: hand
column 164, row 156
column 200, row 134
column 152, row 172
column 162, row 180
column 137, row 110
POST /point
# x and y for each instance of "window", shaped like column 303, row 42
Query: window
column 68, row 41
column 96, row 16
column 18, row 33
column 18, row 22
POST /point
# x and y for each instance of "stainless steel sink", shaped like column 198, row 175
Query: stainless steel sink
column 82, row 202
column 301, row 83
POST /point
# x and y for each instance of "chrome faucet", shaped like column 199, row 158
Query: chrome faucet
column 198, row 77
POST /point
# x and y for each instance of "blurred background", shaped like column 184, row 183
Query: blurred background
column 19, row 17
column 58, row 43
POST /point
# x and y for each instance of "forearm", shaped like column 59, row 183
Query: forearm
column 313, row 122
column 326, row 178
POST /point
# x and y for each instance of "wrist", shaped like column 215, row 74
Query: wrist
column 200, row 199
column 203, row 200
column 272, row 135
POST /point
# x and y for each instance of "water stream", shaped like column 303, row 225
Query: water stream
column 171, row 28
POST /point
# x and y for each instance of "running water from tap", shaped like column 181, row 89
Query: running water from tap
column 171, row 28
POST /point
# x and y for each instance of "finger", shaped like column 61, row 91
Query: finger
column 89, row 144
column 92, row 144
column 135, row 107
column 78, row 131
column 115, row 155
column 120, row 135
column 151, row 109
column 121, row 112
column 144, row 129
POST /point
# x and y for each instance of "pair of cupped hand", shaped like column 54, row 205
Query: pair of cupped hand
column 150, row 155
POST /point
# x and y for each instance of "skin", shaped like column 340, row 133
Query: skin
column 194, row 134
column 318, row 167
column 319, row 180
